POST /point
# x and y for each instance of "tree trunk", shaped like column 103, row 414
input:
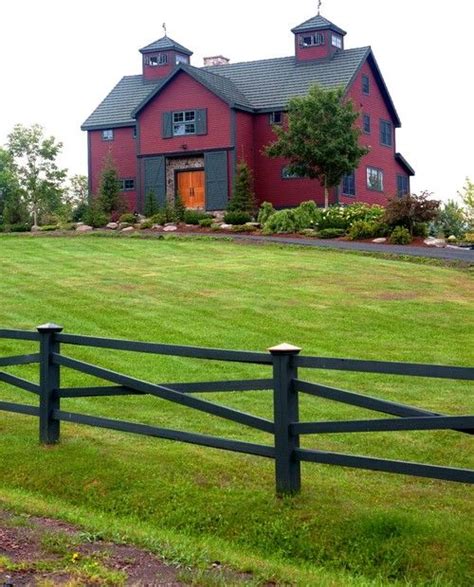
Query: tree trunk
column 326, row 194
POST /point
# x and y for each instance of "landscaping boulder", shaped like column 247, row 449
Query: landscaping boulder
column 35, row 228
column 84, row 228
column 435, row 242
column 170, row 228
column 379, row 241
column 226, row 226
column 128, row 229
column 112, row 225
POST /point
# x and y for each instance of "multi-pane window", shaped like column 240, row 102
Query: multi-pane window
column 375, row 179
column 348, row 184
column 181, row 59
column 386, row 133
column 108, row 135
column 366, row 123
column 160, row 59
column 184, row 123
column 403, row 185
column 276, row 117
column 126, row 185
column 336, row 41
column 365, row 85
column 287, row 174
column 312, row 40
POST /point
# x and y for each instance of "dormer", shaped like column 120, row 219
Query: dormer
column 317, row 38
column 162, row 56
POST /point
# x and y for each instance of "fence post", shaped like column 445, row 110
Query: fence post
column 49, row 383
column 285, row 407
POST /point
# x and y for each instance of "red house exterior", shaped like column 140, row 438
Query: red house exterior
column 181, row 129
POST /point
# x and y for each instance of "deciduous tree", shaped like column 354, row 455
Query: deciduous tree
column 320, row 140
column 40, row 179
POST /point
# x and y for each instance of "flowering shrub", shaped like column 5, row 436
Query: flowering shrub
column 345, row 216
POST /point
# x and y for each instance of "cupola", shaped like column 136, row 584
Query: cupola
column 160, row 57
column 317, row 38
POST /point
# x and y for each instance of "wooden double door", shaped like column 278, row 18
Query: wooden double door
column 190, row 185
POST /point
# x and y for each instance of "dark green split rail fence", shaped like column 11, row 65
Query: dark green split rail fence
column 286, row 428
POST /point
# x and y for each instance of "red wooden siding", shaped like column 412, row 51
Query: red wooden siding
column 314, row 52
column 380, row 156
column 269, row 184
column 123, row 152
column 184, row 93
column 245, row 146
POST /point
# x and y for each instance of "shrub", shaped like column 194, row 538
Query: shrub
column 237, row 217
column 49, row 227
column 146, row 224
column 179, row 208
column 420, row 229
column 307, row 215
column 266, row 210
column 243, row 198
column 451, row 220
column 330, row 233
column 206, row 222
column 95, row 216
column 128, row 218
column 410, row 210
column 366, row 229
column 244, row 228
column 151, row 205
column 79, row 212
column 400, row 236
column 195, row 216
column 282, row 222
column 158, row 218
column 18, row 227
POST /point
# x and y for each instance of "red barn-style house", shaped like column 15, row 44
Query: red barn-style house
column 180, row 129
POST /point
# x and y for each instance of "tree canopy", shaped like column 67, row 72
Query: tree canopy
column 320, row 140
column 34, row 157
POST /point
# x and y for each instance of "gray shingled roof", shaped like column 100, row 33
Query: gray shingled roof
column 269, row 84
column 165, row 44
column 256, row 85
column 317, row 23
column 116, row 109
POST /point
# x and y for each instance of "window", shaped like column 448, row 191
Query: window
column 126, row 185
column 160, row 59
column 108, row 135
column 336, row 41
column 366, row 123
column 184, row 123
column 181, row 59
column 348, row 185
column 386, row 133
column 375, row 179
column 312, row 40
column 287, row 174
column 276, row 117
column 403, row 185
column 365, row 85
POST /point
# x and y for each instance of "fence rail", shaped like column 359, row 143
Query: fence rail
column 285, row 429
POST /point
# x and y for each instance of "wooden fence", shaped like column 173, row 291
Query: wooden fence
column 285, row 429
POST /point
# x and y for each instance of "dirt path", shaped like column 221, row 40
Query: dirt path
column 44, row 552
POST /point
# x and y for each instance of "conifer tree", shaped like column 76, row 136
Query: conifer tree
column 243, row 198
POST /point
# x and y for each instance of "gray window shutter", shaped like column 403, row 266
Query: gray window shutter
column 217, row 183
column 167, row 125
column 155, row 179
column 201, row 122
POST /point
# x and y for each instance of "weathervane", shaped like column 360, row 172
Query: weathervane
column 320, row 3
column 164, row 28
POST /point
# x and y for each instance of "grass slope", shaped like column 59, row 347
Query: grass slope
column 199, row 505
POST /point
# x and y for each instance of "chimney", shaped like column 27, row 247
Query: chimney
column 216, row 60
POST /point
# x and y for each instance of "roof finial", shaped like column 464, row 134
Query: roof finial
column 320, row 3
column 164, row 28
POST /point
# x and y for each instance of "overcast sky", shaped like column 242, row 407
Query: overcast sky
column 59, row 59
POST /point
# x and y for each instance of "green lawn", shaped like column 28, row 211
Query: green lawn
column 199, row 505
